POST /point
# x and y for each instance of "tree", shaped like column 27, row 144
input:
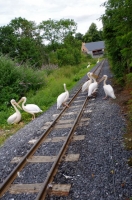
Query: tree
column 8, row 41
column 79, row 36
column 21, row 40
column 117, row 22
column 92, row 35
column 69, row 53
column 54, row 31
column 23, row 27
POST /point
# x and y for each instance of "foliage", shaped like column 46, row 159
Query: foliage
column 8, row 41
column 129, row 81
column 44, row 96
column 16, row 81
column 23, row 40
column 117, row 23
column 93, row 35
column 55, row 31
column 79, row 36
column 117, row 33
column 69, row 53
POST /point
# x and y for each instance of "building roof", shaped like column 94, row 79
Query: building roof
column 91, row 46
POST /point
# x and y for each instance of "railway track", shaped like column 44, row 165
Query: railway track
column 68, row 119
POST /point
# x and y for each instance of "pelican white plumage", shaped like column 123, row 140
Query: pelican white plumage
column 93, row 86
column 16, row 117
column 108, row 89
column 30, row 108
column 98, row 60
column 88, row 66
column 85, row 86
column 62, row 98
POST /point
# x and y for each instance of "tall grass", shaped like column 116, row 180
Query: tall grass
column 17, row 80
column 44, row 96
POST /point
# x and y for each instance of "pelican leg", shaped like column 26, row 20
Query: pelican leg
column 33, row 117
column 105, row 98
column 94, row 91
column 94, row 94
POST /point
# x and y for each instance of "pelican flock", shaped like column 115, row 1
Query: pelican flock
column 62, row 98
column 16, row 117
column 29, row 108
column 91, row 86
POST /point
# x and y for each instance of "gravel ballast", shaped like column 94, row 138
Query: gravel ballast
column 101, row 173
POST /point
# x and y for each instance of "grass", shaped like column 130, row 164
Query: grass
column 46, row 96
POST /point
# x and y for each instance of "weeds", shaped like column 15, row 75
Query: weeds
column 41, row 87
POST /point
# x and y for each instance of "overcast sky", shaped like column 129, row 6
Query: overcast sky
column 83, row 12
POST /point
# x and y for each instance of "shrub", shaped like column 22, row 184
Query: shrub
column 17, row 81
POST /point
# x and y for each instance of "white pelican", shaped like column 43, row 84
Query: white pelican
column 85, row 86
column 62, row 98
column 93, row 86
column 107, row 88
column 98, row 60
column 30, row 108
column 16, row 117
column 88, row 66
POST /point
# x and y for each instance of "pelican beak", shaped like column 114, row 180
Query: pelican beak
column 101, row 79
column 19, row 101
column 18, row 105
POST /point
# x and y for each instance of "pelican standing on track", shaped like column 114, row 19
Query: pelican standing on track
column 30, row 108
column 93, row 86
column 85, row 86
column 16, row 117
column 107, row 88
column 62, row 98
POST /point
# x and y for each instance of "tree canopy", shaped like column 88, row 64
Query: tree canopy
column 25, row 41
column 50, row 42
column 117, row 23
column 55, row 31
column 93, row 35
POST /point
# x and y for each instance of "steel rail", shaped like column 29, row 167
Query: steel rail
column 99, row 68
column 7, row 182
column 43, row 191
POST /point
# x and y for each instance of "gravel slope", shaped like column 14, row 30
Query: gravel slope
column 102, row 172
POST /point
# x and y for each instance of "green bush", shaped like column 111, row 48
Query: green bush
column 68, row 56
column 16, row 81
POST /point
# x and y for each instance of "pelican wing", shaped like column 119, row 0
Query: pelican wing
column 109, row 91
column 62, row 98
column 85, row 85
column 33, row 108
column 15, row 118
column 12, row 118
column 92, row 88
